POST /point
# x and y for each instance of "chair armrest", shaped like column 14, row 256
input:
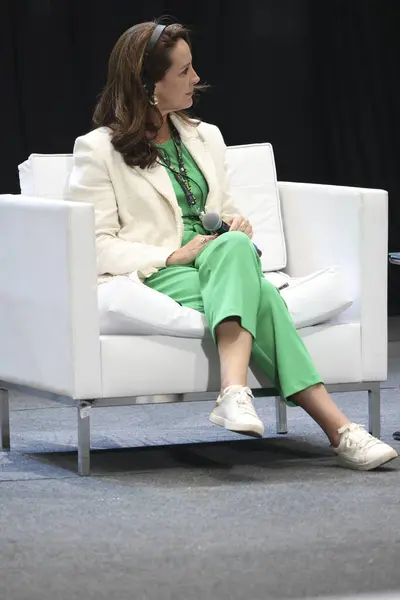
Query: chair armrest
column 326, row 225
column 49, row 326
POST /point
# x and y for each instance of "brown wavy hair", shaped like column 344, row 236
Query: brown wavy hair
column 124, row 105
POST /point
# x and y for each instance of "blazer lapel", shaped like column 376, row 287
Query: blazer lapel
column 199, row 150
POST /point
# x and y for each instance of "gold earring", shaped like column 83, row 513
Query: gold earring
column 154, row 100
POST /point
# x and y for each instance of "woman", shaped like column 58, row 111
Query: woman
column 150, row 172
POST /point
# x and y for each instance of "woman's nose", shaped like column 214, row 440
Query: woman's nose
column 195, row 77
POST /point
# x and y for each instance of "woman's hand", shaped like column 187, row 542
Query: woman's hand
column 239, row 223
column 188, row 252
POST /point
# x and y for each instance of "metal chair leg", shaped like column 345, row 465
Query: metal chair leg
column 281, row 415
column 84, row 410
column 4, row 420
column 374, row 409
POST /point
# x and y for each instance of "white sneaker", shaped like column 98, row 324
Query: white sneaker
column 234, row 410
column 359, row 450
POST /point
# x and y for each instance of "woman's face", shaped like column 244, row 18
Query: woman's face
column 175, row 91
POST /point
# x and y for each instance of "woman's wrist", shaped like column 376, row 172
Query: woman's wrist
column 172, row 259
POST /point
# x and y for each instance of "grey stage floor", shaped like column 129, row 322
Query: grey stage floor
column 169, row 513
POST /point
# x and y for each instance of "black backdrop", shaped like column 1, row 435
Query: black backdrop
column 316, row 78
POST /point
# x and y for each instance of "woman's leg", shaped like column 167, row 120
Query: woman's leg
column 316, row 401
column 280, row 352
column 236, row 411
column 229, row 275
column 234, row 348
column 230, row 282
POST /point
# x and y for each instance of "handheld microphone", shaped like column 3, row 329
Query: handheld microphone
column 213, row 223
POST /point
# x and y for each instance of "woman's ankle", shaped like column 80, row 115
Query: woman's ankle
column 228, row 385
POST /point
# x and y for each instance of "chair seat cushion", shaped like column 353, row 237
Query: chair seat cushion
column 128, row 307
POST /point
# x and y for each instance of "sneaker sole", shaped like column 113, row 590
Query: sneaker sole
column 378, row 462
column 252, row 430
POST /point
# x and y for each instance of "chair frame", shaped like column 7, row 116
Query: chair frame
column 84, row 408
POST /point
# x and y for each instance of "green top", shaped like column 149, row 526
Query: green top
column 192, row 223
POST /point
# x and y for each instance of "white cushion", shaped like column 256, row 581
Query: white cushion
column 253, row 183
column 252, row 179
column 315, row 298
column 128, row 307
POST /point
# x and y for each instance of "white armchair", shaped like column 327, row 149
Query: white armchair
column 49, row 321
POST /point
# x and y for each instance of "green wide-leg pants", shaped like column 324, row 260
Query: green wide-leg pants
column 226, row 280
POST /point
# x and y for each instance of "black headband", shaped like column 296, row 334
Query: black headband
column 151, row 44
column 155, row 36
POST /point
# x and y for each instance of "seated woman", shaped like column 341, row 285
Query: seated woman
column 151, row 172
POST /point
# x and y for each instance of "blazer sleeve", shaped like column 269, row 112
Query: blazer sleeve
column 90, row 182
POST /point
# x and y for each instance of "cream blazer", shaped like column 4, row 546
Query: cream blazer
column 138, row 220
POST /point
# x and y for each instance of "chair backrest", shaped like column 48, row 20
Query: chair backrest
column 252, row 178
column 46, row 176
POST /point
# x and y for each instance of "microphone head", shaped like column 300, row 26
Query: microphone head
column 211, row 221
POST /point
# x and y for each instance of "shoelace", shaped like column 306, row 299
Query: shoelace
column 357, row 436
column 244, row 400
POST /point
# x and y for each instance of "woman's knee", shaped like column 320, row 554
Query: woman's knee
column 231, row 248
column 235, row 239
